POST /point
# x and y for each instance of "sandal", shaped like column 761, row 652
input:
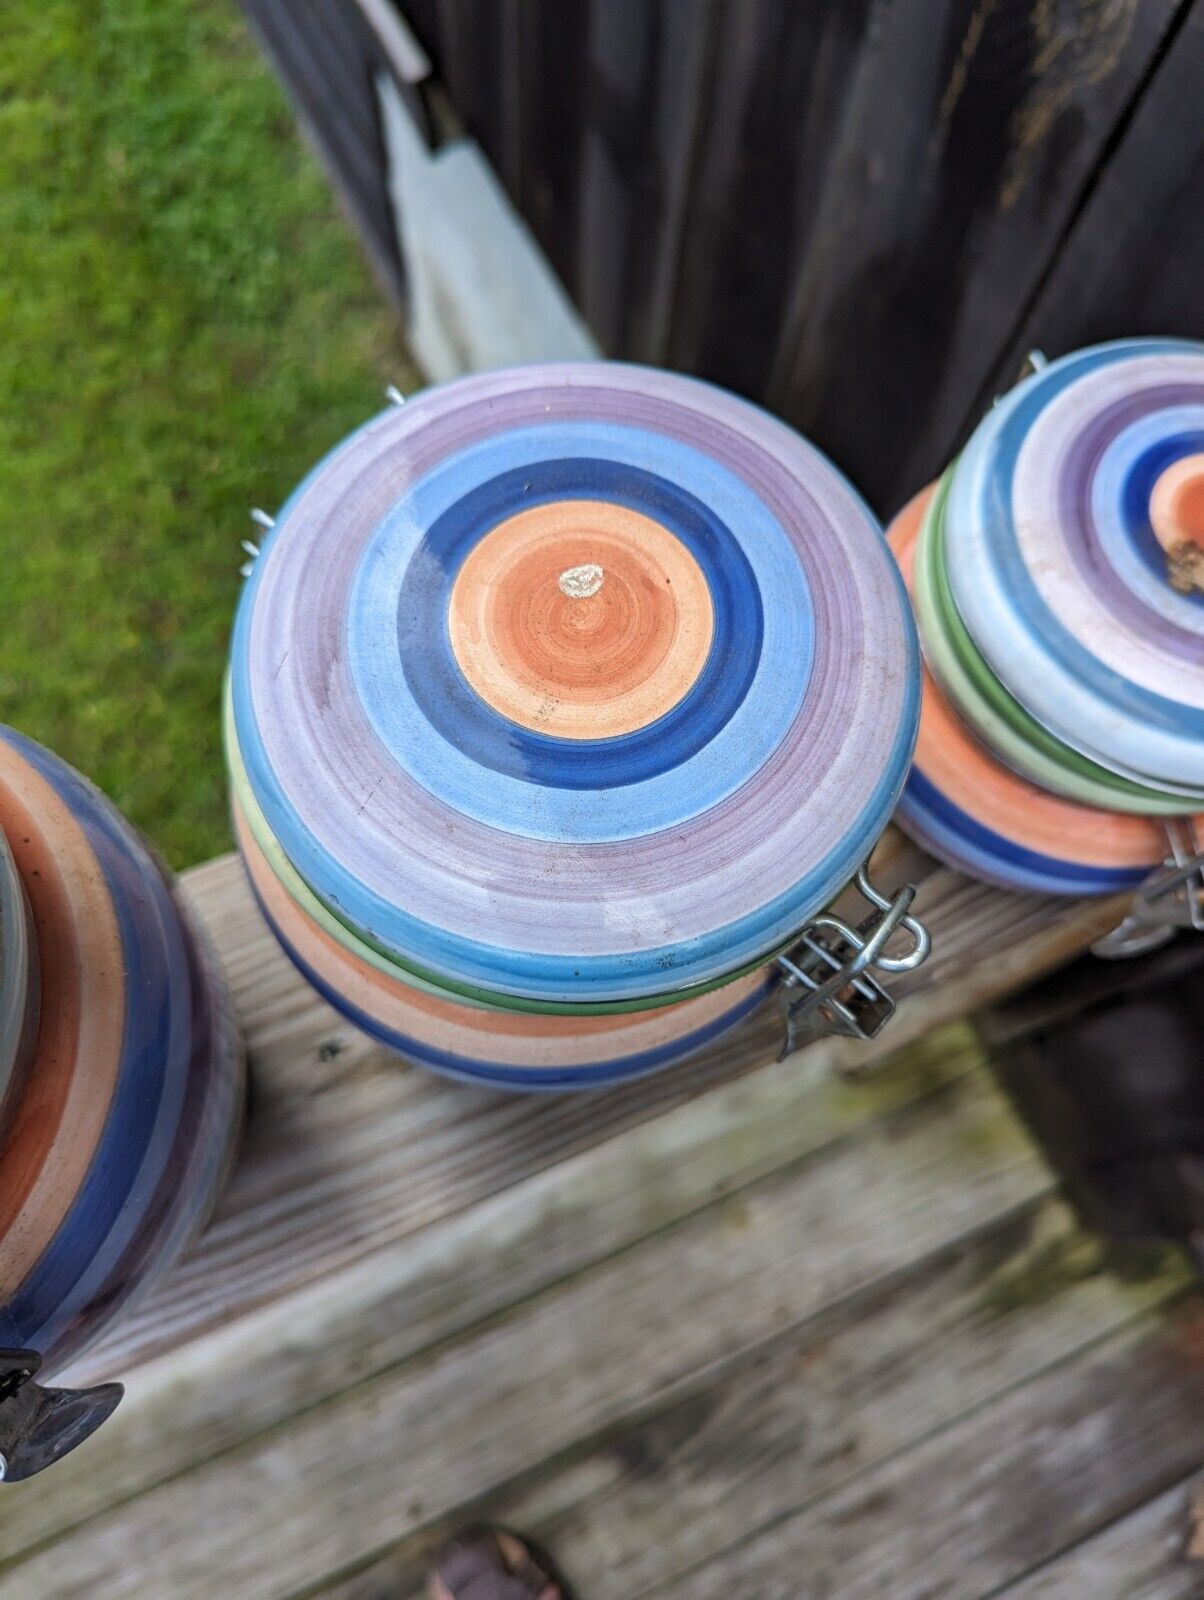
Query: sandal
column 484, row 1563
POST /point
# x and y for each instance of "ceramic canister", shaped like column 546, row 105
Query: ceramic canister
column 564, row 692
column 979, row 814
column 989, row 709
column 1071, row 520
column 124, row 1090
column 1059, row 588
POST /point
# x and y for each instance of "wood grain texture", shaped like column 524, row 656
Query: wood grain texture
column 798, row 1418
column 1133, row 260
column 424, row 1287
column 843, row 210
column 1067, row 1454
column 327, row 54
column 590, row 114
column 965, row 143
column 862, row 214
column 565, row 1365
column 650, row 67
column 449, row 1279
column 780, row 80
column 1141, row 1557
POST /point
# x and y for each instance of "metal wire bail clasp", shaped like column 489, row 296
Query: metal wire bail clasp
column 38, row 1425
column 828, row 982
column 1169, row 899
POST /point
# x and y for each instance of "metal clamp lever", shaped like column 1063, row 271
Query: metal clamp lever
column 828, row 986
column 37, row 1425
column 1169, row 899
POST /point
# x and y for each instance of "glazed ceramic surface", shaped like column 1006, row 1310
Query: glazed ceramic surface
column 492, row 1046
column 994, row 714
column 18, row 976
column 124, row 1122
column 1060, row 517
column 577, row 684
column 249, row 818
column 981, row 817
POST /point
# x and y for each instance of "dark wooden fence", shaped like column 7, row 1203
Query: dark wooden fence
column 328, row 55
column 861, row 212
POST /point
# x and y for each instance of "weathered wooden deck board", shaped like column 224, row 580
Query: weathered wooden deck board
column 1141, row 1557
column 344, row 1157
column 421, row 1290
column 732, row 1267
column 988, row 1499
column 804, row 1414
column 668, row 1325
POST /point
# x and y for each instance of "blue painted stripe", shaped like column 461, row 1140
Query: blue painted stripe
column 757, row 716
column 1135, row 503
column 152, row 1052
column 457, row 713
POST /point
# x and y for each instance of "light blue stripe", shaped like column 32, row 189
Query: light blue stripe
column 1115, row 534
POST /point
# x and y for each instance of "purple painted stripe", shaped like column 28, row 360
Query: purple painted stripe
column 1076, row 520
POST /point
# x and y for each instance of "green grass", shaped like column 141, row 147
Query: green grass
column 186, row 324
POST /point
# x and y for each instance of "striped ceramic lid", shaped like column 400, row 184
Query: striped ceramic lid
column 1074, row 524
column 578, row 682
column 977, row 813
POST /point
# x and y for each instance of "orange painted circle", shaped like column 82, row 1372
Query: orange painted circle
column 1177, row 503
column 581, row 619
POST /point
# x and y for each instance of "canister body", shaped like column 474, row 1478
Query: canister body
column 560, row 701
column 125, row 1086
column 1055, row 574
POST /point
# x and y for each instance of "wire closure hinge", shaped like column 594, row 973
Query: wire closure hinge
column 1170, row 898
column 828, row 975
column 38, row 1426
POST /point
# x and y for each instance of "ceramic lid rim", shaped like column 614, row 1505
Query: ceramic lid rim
column 311, row 951
column 247, row 815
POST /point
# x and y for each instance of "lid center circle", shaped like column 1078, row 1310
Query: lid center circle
column 1177, row 518
column 580, row 619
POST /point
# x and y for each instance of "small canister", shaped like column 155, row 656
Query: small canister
column 1058, row 577
column 563, row 702
column 121, row 1093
